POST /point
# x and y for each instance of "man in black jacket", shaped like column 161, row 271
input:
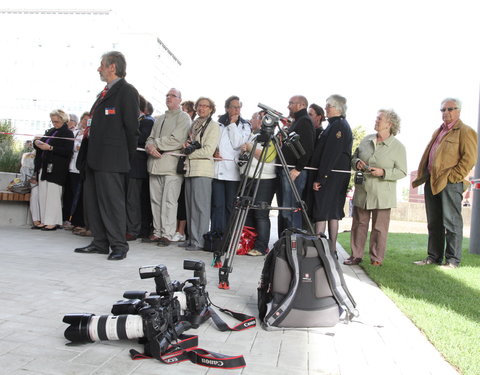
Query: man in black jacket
column 302, row 125
column 112, row 141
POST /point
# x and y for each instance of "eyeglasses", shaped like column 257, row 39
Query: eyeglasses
column 235, row 107
column 449, row 109
column 171, row 95
column 203, row 106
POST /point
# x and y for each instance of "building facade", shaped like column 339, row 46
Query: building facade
column 50, row 59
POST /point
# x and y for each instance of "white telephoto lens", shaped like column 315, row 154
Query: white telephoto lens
column 115, row 327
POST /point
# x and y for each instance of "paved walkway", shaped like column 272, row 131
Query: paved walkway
column 41, row 279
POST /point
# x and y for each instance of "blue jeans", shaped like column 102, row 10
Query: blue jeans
column 259, row 219
column 223, row 195
column 291, row 219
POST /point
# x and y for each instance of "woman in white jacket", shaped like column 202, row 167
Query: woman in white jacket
column 234, row 132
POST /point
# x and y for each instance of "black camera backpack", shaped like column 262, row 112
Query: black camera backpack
column 302, row 284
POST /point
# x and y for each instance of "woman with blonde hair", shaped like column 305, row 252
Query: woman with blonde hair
column 53, row 153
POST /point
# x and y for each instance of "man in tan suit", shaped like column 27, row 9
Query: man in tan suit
column 447, row 160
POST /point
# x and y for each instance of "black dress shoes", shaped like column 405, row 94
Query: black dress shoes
column 46, row 229
column 117, row 255
column 91, row 249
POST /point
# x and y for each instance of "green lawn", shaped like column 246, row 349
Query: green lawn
column 444, row 304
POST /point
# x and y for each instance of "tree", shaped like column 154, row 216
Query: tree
column 10, row 155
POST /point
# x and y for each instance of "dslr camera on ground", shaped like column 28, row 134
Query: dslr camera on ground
column 156, row 318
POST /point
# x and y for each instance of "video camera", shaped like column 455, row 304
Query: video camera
column 155, row 318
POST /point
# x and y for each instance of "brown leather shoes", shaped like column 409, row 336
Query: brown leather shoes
column 151, row 239
column 164, row 241
column 353, row 261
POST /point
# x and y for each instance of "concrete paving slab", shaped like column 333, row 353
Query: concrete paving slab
column 42, row 279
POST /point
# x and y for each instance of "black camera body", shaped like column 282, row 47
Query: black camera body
column 359, row 178
column 155, row 318
column 243, row 159
column 360, row 175
column 192, row 146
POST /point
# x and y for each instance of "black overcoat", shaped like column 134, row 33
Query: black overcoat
column 59, row 157
column 333, row 152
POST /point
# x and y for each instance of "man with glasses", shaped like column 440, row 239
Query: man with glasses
column 447, row 160
column 169, row 133
column 303, row 126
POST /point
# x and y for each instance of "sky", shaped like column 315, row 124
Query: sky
column 402, row 55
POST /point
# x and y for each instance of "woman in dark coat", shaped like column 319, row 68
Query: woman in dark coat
column 51, row 167
column 332, row 152
column 317, row 115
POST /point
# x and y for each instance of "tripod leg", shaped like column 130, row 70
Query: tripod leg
column 247, row 195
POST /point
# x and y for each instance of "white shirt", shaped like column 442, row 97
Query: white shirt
column 76, row 145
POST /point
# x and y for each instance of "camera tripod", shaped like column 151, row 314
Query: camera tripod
column 248, row 188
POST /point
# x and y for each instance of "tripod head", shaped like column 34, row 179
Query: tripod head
column 271, row 121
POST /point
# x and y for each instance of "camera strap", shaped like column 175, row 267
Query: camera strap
column 246, row 321
column 186, row 349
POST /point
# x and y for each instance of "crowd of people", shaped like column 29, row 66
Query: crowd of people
column 120, row 174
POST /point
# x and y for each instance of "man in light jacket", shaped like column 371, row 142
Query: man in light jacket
column 169, row 132
column 447, row 160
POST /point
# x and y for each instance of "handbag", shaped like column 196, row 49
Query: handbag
column 212, row 241
column 19, row 187
column 247, row 240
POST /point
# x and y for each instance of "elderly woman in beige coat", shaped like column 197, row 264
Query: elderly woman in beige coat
column 382, row 159
column 199, row 173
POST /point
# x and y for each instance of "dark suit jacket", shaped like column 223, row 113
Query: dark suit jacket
column 139, row 162
column 113, row 135
column 304, row 128
column 59, row 157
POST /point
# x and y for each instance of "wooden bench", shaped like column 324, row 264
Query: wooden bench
column 9, row 196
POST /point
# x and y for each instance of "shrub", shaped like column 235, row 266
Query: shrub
column 10, row 150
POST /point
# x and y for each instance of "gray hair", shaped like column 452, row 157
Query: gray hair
column 73, row 117
column 393, row 118
column 458, row 103
column 61, row 114
column 117, row 58
column 179, row 93
column 339, row 102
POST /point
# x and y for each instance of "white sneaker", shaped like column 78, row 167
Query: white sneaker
column 177, row 237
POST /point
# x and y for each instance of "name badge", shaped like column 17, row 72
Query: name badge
column 109, row 111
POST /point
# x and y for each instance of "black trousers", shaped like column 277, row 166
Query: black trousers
column 139, row 211
column 445, row 223
column 105, row 206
